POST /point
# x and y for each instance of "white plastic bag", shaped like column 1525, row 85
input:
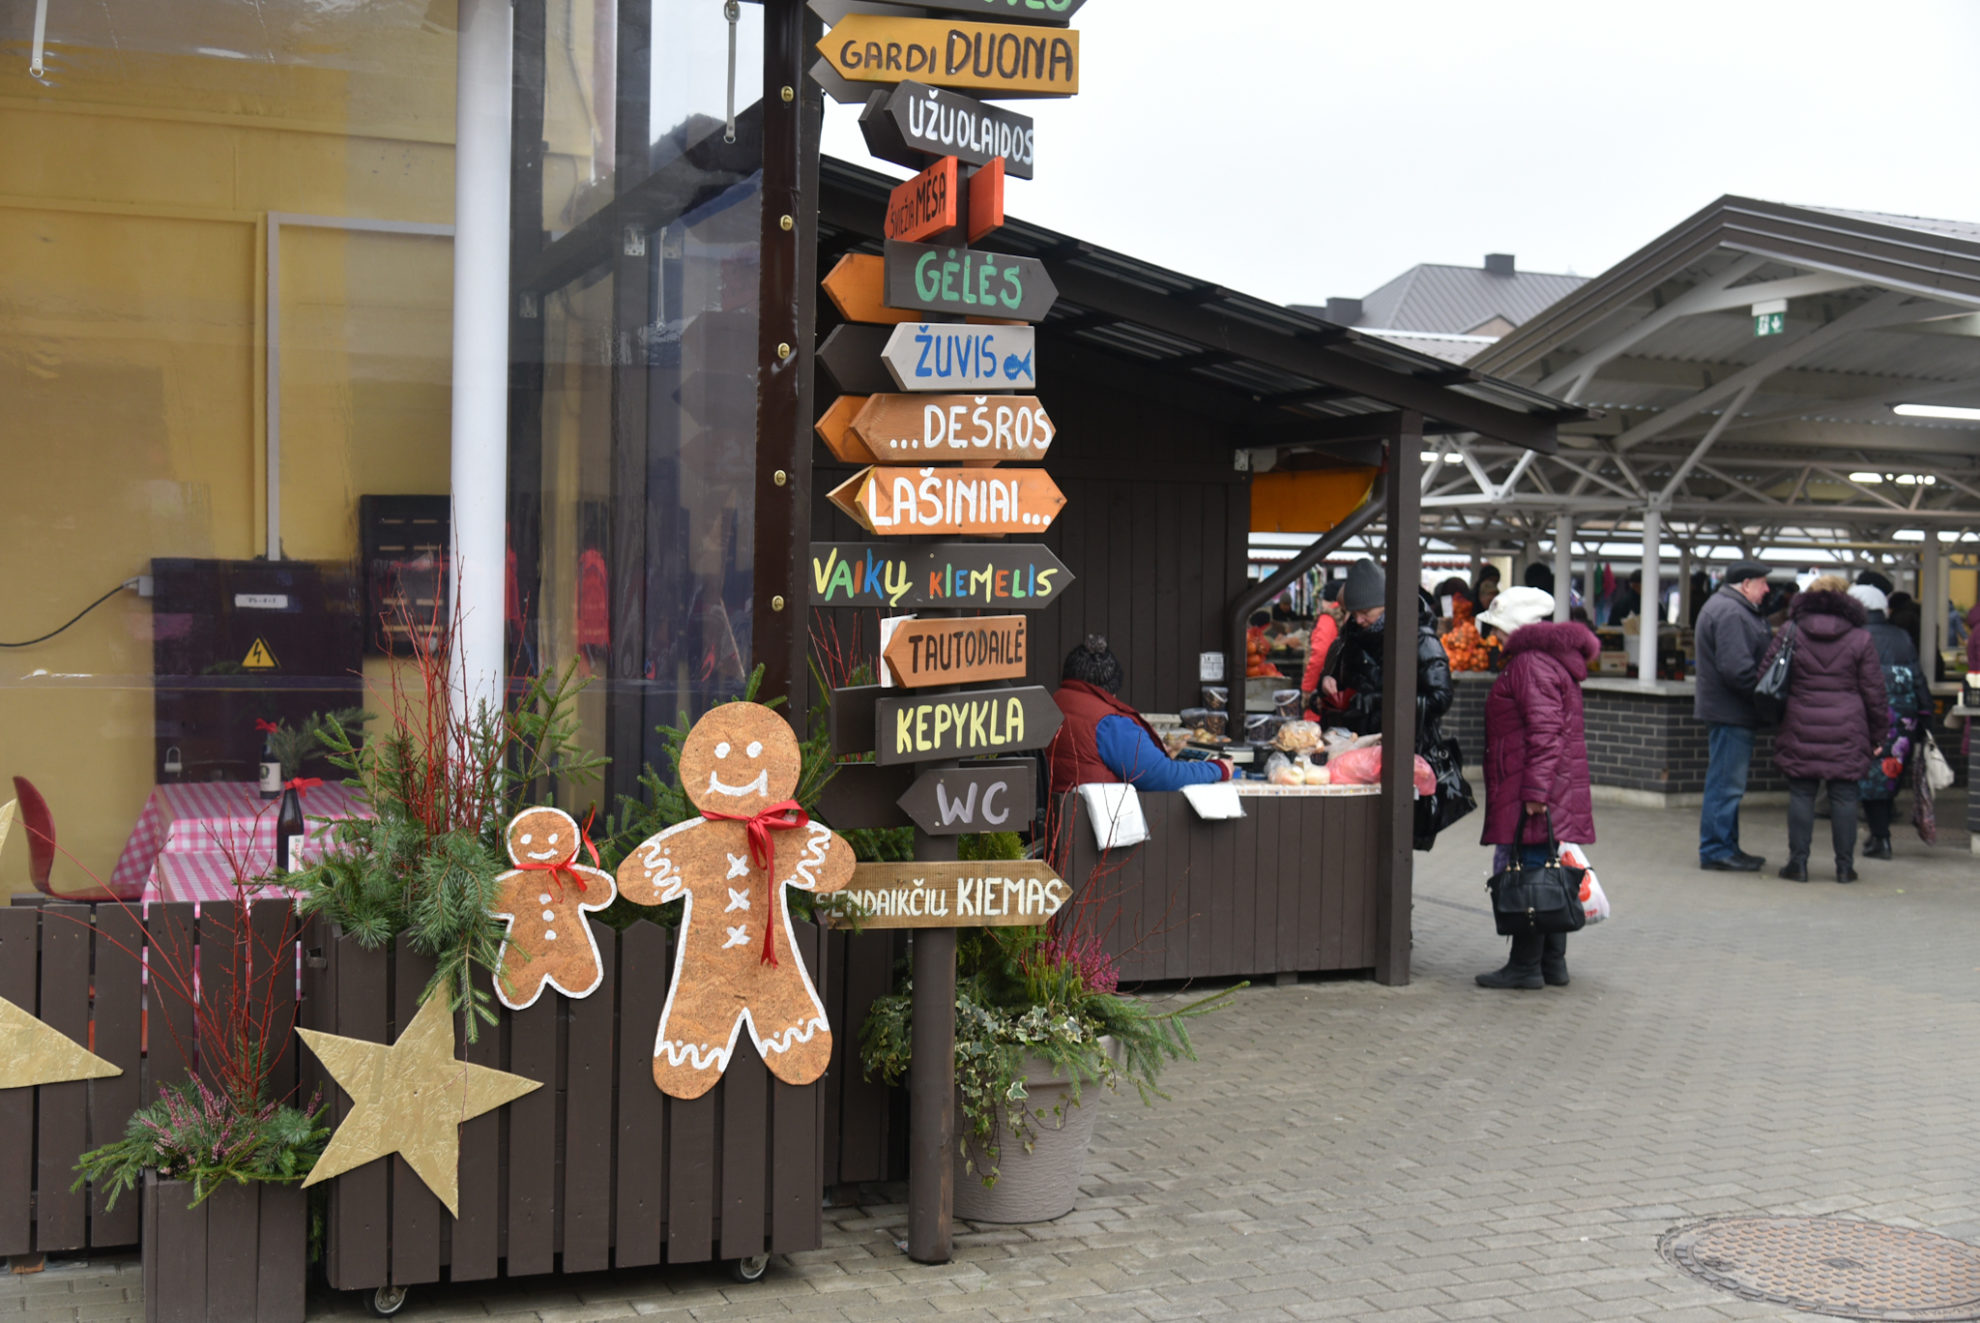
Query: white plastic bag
column 1214, row 801
column 1594, row 900
column 1115, row 811
column 1938, row 772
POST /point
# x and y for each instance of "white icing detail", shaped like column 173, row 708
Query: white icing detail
column 817, row 841
column 722, row 749
column 543, row 899
column 549, row 934
column 738, row 900
column 553, row 838
column 699, row 1056
column 737, row 937
column 549, row 915
column 544, row 854
column 527, row 838
column 760, row 786
column 738, row 866
column 755, row 749
column 797, row 1033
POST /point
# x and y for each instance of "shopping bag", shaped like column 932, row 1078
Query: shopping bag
column 1771, row 692
column 1542, row 899
column 1938, row 772
column 1594, row 900
column 1115, row 811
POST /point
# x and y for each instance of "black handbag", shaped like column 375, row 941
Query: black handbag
column 1452, row 798
column 1546, row 899
column 1770, row 693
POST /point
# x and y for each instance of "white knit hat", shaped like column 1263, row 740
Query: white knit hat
column 1871, row 596
column 1516, row 607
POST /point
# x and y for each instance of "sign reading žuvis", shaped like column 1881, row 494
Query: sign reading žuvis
column 933, row 278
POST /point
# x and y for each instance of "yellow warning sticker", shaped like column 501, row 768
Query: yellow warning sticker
column 259, row 658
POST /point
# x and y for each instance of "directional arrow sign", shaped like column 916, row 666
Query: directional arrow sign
column 1021, row 893
column 950, row 801
column 856, row 287
column 914, row 122
column 853, row 356
column 986, row 198
column 945, row 356
column 992, row 59
column 982, row 429
column 920, row 730
column 964, row 651
column 835, row 430
column 965, row 281
column 1014, row 576
column 895, row 502
column 925, row 205
column 1057, row 13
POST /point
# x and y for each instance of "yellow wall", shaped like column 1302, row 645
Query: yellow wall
column 133, row 198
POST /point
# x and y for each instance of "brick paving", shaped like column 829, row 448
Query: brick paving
column 1730, row 1044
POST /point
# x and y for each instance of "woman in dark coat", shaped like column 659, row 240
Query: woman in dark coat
column 1536, row 759
column 1836, row 716
column 1904, row 690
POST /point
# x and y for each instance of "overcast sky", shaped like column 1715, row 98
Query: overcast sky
column 1295, row 149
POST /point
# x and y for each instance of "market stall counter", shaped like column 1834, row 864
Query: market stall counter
column 1289, row 888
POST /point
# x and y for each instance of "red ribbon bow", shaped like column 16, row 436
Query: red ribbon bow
column 786, row 816
column 267, row 726
column 558, row 869
column 302, row 783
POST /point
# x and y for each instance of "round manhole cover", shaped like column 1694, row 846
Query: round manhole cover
column 1829, row 1265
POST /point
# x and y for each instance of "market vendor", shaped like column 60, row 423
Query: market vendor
column 1326, row 628
column 1105, row 740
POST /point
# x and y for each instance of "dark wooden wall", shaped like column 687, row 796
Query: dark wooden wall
column 1154, row 527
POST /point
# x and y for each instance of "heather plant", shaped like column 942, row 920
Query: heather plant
column 202, row 1135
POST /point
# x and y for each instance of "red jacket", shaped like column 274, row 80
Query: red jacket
column 1325, row 630
column 1536, row 750
column 1074, row 754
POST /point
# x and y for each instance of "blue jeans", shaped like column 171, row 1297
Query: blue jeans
column 1725, row 785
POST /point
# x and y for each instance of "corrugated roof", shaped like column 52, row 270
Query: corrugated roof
column 1967, row 230
column 1450, row 348
column 1457, row 300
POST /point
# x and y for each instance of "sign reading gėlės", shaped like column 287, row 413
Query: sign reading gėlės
column 967, row 282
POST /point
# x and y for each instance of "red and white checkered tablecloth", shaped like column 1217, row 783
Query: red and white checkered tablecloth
column 193, row 835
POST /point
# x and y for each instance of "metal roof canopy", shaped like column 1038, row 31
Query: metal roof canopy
column 1733, row 440
column 1297, row 384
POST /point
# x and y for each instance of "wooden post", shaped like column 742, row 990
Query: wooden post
column 932, row 1082
column 1404, row 570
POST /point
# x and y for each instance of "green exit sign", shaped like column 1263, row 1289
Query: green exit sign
column 1769, row 323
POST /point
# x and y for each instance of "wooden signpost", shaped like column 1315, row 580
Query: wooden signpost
column 894, row 502
column 968, row 650
column 1057, row 13
column 997, row 893
column 853, row 357
column 967, row 282
column 964, row 725
column 980, row 429
column 856, row 287
column 834, row 428
column 990, row 59
column 988, row 796
column 1012, row 576
column 915, row 121
column 925, row 205
column 951, row 357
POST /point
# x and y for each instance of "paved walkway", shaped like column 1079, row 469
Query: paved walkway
column 1730, row 1044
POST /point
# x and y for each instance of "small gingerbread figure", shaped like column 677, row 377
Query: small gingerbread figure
column 735, row 961
column 544, row 898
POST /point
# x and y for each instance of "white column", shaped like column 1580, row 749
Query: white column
column 481, row 347
column 1647, row 614
column 1563, row 564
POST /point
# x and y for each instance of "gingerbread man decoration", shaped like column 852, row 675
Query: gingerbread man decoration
column 734, row 962
column 544, row 898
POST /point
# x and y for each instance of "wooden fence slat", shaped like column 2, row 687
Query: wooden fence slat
column 233, row 1225
column 587, row 1204
column 830, row 978
column 745, row 1130
column 218, row 983
column 865, row 972
column 179, row 1239
column 797, row 1217
column 415, row 1210
column 474, row 1239
column 1209, row 887
column 275, row 931
column 1265, row 810
column 20, row 977
column 360, row 1225
column 1244, row 907
column 117, row 1024
column 61, row 1219
column 1311, row 874
column 1334, row 881
column 1287, row 813
column 691, row 1156
column 532, row 1225
column 171, row 1040
column 640, row 1199
column 284, row 1270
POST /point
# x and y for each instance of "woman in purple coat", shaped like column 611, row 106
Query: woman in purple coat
column 1836, row 716
column 1536, row 760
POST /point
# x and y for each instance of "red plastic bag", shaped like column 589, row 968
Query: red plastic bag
column 1363, row 767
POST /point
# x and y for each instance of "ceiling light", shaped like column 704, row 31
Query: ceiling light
column 1866, row 478
column 1916, row 480
column 1430, row 457
column 1955, row 411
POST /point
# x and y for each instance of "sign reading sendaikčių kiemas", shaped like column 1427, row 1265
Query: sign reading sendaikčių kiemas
column 972, row 894
column 989, row 59
column 967, row 282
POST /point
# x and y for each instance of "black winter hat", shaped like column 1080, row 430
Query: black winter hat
column 1366, row 587
column 1746, row 569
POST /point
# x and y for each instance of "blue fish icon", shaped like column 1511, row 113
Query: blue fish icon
column 1015, row 367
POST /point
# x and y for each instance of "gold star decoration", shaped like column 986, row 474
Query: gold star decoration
column 32, row 1053
column 411, row 1099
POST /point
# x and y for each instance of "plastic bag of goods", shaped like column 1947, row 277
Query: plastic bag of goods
column 1363, row 767
column 1338, row 739
column 1594, row 900
column 1298, row 737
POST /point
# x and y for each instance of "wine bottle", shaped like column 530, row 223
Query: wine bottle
column 271, row 768
column 289, row 831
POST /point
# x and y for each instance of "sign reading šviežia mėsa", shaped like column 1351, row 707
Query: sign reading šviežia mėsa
column 1014, row 576
column 989, row 59
column 925, row 205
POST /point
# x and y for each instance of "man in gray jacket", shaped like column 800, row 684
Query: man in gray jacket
column 1731, row 635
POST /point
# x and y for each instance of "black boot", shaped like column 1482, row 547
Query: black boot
column 1845, row 871
column 1553, row 960
column 1522, row 968
column 1795, row 870
column 1878, row 848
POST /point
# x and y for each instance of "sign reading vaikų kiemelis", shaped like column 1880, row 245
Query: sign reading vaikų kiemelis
column 1021, row 893
column 967, row 282
column 1013, row 576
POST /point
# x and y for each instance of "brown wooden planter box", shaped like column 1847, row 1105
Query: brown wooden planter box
column 240, row 1255
column 598, row 1169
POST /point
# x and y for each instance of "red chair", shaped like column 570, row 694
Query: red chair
column 40, row 825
